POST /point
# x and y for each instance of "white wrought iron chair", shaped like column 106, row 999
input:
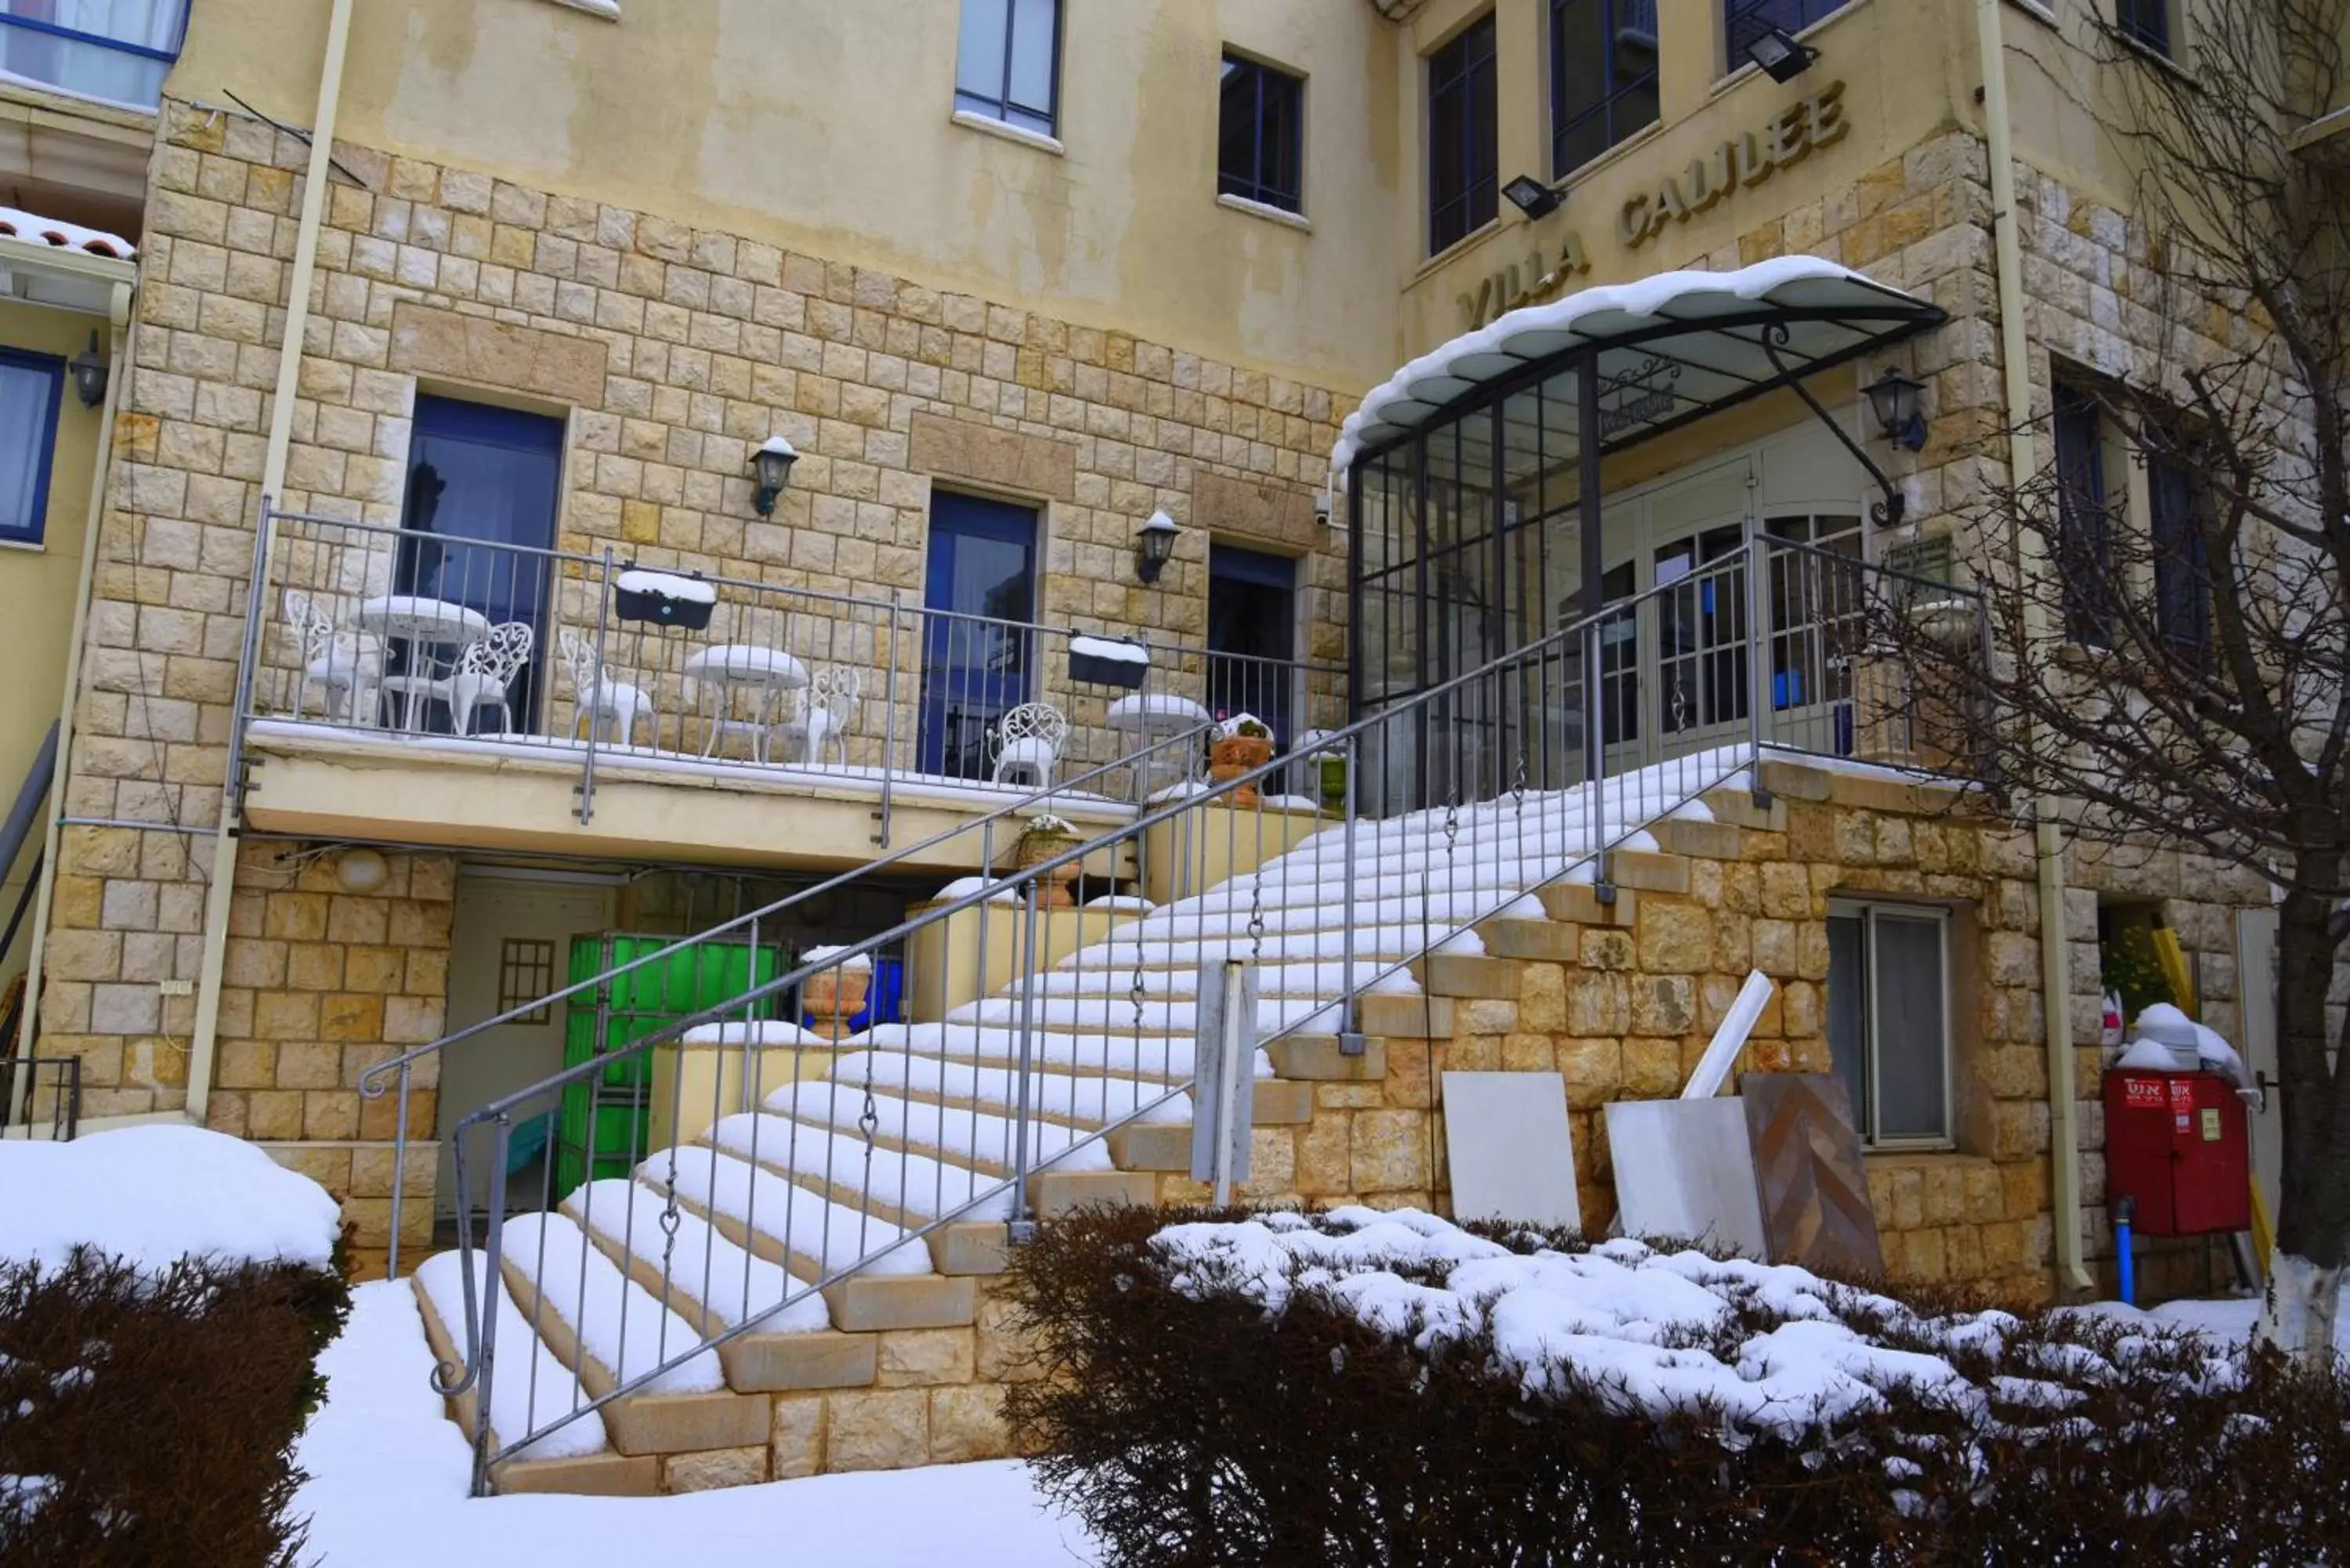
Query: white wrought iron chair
column 483, row 675
column 596, row 697
column 346, row 666
column 1028, row 742
column 827, row 712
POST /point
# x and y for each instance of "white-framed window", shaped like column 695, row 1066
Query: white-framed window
column 1889, row 1016
column 1008, row 63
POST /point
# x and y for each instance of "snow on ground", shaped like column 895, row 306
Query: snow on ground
column 387, row 1473
column 152, row 1195
column 2231, row 1320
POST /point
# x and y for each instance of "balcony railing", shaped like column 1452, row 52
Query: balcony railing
column 409, row 637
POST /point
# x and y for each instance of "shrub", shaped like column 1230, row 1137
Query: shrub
column 150, row 1417
column 1190, row 1423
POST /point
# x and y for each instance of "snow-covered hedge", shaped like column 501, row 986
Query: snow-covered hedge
column 1360, row 1388
column 164, row 1295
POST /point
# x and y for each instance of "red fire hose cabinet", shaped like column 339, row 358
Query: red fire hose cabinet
column 2177, row 1143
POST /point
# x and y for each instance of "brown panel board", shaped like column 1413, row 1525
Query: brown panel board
column 1808, row 1171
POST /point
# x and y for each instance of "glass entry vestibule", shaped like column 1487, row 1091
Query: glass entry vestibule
column 1482, row 525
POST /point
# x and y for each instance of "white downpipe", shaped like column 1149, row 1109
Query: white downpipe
column 2048, row 839
column 218, row 891
column 119, row 367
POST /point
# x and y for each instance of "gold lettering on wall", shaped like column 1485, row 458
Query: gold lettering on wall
column 1746, row 159
column 1521, row 283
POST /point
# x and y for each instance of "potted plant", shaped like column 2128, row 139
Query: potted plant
column 1108, row 660
column 663, row 598
column 836, row 993
column 1045, row 836
column 1243, row 742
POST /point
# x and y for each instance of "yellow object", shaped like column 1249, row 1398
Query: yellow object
column 2173, row 959
column 2263, row 1229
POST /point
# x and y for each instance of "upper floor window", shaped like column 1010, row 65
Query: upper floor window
column 31, row 386
column 1008, row 66
column 1261, row 135
column 1750, row 19
column 1463, row 138
column 1603, row 76
column 2084, row 515
column 117, row 50
column 2182, row 582
column 2145, row 22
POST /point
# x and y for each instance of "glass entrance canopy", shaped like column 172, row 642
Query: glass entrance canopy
column 1474, row 480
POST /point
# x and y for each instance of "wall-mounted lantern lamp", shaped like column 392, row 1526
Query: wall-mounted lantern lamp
column 1782, row 60
column 1154, row 546
column 1531, row 196
column 774, row 463
column 1893, row 396
column 88, row 375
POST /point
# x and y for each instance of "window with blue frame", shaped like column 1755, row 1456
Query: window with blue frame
column 1603, row 76
column 1750, row 19
column 1261, row 135
column 31, row 389
column 1464, row 154
column 117, row 50
column 2145, row 22
column 1008, row 62
column 979, row 652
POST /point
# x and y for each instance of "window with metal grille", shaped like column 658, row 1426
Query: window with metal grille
column 1603, row 76
column 2182, row 586
column 2084, row 515
column 526, row 973
column 1008, row 62
column 1888, row 1007
column 2145, row 22
column 1464, row 137
column 1747, row 20
column 1261, row 135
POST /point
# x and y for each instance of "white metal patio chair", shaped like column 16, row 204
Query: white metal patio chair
column 346, row 666
column 1028, row 742
column 597, row 698
column 481, row 677
column 827, row 712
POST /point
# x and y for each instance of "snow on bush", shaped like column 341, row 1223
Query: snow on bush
column 153, row 1195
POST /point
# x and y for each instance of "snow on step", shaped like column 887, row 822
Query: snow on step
column 1139, row 1055
column 1106, row 977
column 1106, row 1013
column 531, row 1388
column 1091, row 1099
column 730, row 1284
column 804, row 1223
column 910, row 1183
column 614, row 1319
column 951, row 1129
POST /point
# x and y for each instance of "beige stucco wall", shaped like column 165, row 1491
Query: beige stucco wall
column 824, row 127
column 36, row 582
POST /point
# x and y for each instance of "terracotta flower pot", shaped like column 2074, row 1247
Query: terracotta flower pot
column 836, row 993
column 1053, row 887
column 1234, row 755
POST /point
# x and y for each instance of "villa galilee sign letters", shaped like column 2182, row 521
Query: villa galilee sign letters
column 1748, row 159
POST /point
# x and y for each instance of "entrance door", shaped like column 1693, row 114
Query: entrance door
column 1252, row 637
column 2256, row 935
column 477, row 473
column 509, row 945
column 979, row 656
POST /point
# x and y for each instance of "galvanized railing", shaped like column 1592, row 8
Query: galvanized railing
column 40, row 1097
column 413, row 635
column 830, row 1154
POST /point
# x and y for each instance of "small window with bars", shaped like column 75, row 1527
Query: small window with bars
column 526, row 973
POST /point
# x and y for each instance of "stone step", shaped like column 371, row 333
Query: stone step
column 1578, row 903
column 1311, row 1059
column 1737, row 807
column 863, row 1303
column 1153, row 1146
column 642, row 1423
column 1406, row 1017
column 1543, row 941
column 1052, row 1192
column 1468, row 974
column 971, row 1247
column 1651, row 872
column 1699, row 840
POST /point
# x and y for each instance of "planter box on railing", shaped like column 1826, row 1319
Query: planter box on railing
column 1108, row 661
column 663, row 598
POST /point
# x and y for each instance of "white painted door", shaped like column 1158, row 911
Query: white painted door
column 511, row 942
column 2256, row 934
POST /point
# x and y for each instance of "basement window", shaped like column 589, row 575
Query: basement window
column 1888, row 1008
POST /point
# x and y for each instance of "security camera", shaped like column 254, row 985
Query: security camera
column 1321, row 508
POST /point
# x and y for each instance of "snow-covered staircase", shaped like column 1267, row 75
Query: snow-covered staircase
column 888, row 1180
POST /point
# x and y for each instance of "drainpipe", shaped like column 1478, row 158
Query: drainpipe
column 217, row 893
column 117, row 360
column 2048, row 839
